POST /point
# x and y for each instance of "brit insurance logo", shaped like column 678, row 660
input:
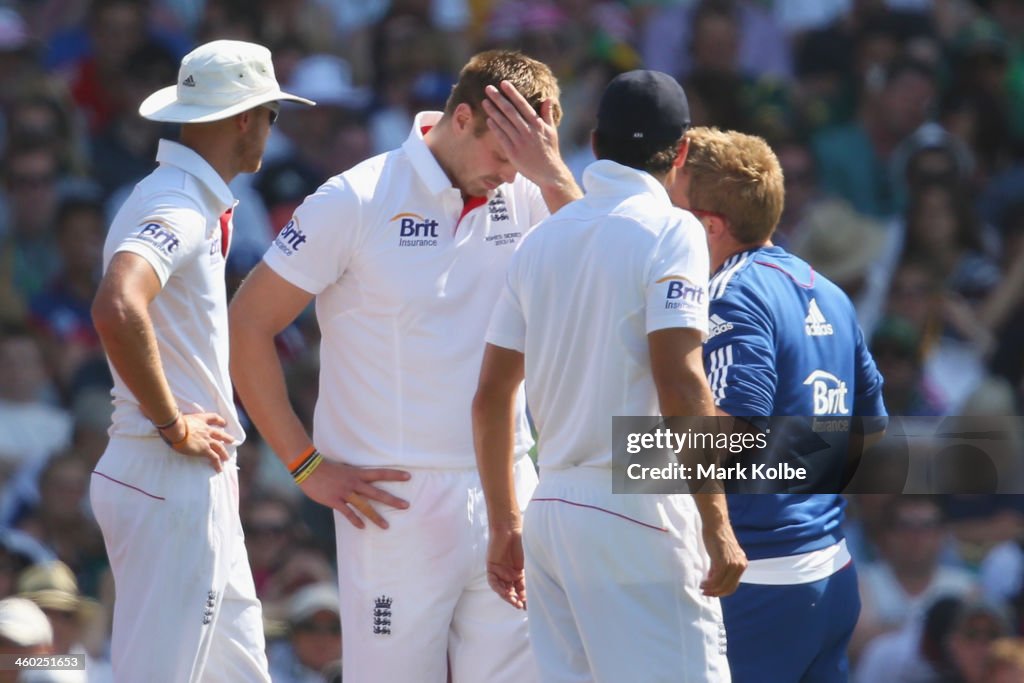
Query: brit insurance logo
column 828, row 393
column 159, row 236
column 291, row 237
column 815, row 324
column 681, row 292
column 415, row 230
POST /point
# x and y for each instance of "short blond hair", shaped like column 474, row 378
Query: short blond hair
column 738, row 176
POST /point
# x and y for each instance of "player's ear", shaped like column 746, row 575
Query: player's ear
column 684, row 149
column 462, row 117
column 244, row 120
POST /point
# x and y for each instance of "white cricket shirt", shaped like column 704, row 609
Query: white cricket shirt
column 404, row 290
column 583, row 292
column 175, row 219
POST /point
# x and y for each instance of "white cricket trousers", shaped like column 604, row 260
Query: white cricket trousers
column 415, row 598
column 613, row 585
column 186, row 609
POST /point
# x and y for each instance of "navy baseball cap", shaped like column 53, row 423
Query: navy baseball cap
column 643, row 105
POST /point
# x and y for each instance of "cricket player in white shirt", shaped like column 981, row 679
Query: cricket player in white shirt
column 405, row 254
column 165, row 492
column 604, row 312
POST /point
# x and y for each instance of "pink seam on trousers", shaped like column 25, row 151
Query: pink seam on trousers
column 134, row 488
column 600, row 509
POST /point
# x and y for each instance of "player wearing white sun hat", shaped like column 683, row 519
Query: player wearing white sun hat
column 165, row 492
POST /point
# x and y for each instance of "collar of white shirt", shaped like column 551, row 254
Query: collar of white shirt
column 422, row 159
column 608, row 178
column 189, row 161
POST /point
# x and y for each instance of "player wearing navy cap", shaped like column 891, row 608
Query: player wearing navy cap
column 621, row 587
column 783, row 341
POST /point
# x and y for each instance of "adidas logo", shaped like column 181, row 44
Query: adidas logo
column 815, row 324
column 189, row 82
column 717, row 326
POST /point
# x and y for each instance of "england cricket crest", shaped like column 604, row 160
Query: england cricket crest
column 382, row 616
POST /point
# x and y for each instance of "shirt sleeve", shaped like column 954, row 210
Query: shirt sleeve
column 677, row 279
column 507, row 327
column 867, row 401
column 315, row 247
column 739, row 357
column 170, row 233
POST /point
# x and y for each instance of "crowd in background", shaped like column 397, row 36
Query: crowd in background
column 900, row 128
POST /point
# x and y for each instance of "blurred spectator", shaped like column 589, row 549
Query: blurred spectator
column 1002, row 577
column 404, row 50
column 943, row 228
column 978, row 100
column 17, row 59
column 975, row 627
column 842, row 245
column 670, row 32
column 18, row 550
column 897, row 349
column 1003, row 308
column 322, row 141
column 802, row 191
column 952, row 365
column 270, row 529
column 24, row 630
column 865, row 522
column 853, row 159
column 31, row 426
column 59, row 521
column 304, row 564
column 42, row 114
column 950, row 644
column 824, row 92
column 312, row 653
column 899, row 587
column 91, row 412
column 123, row 151
column 310, row 23
column 59, row 315
column 228, row 20
column 981, row 523
column 27, row 259
column 78, row 628
column 930, row 156
column 733, row 96
column 115, row 30
column 915, row 653
column 1004, row 662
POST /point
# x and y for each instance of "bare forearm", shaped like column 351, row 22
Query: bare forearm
column 127, row 334
column 561, row 190
column 259, row 380
column 494, row 440
column 714, row 513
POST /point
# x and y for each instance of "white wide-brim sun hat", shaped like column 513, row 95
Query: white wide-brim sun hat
column 217, row 80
